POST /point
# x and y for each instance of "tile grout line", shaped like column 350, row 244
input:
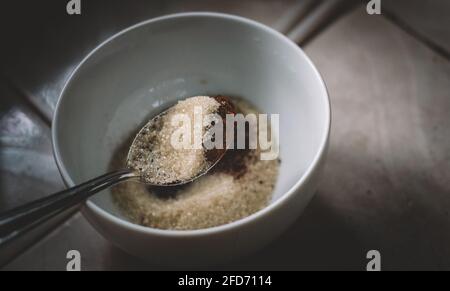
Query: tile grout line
column 318, row 19
column 35, row 107
column 294, row 15
column 440, row 50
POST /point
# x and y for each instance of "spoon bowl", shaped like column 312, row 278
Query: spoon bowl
column 137, row 160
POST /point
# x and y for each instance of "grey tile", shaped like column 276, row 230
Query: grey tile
column 27, row 167
column 50, row 253
column 429, row 19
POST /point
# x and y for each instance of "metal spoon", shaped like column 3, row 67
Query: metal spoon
column 21, row 219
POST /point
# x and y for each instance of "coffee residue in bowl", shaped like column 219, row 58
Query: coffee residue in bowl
column 238, row 186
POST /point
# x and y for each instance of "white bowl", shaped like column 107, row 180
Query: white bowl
column 140, row 70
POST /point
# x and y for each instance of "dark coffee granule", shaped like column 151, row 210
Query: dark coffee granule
column 234, row 162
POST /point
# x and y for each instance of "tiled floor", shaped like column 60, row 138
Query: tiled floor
column 386, row 182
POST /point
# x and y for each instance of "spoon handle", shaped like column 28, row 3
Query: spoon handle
column 17, row 221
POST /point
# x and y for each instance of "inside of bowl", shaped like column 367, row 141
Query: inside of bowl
column 142, row 71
